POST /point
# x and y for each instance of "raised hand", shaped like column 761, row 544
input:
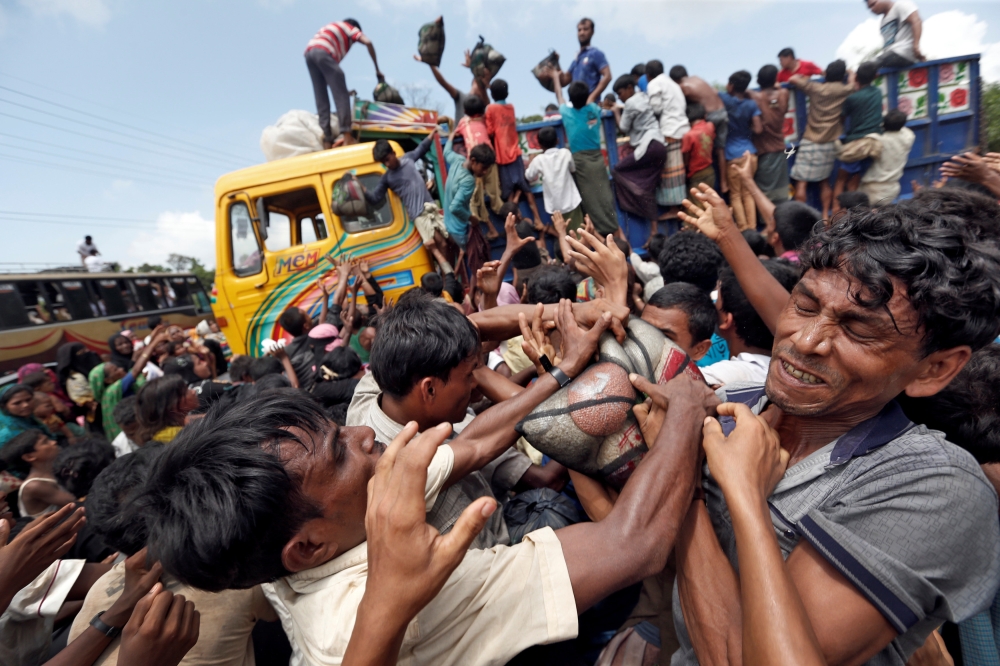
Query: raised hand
column 604, row 261
column 713, row 217
column 408, row 560
column 488, row 279
column 162, row 629
column 140, row 577
column 536, row 342
column 749, row 462
column 37, row 546
column 588, row 225
column 514, row 242
column 322, row 286
column 578, row 344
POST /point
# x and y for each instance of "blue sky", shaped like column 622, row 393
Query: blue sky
column 187, row 86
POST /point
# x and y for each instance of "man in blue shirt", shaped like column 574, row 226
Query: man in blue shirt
column 744, row 121
column 590, row 65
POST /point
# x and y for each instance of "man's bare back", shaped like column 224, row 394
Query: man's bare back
column 698, row 90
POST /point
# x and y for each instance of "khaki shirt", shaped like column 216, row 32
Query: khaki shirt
column 494, row 480
column 497, row 603
column 227, row 619
column 826, row 104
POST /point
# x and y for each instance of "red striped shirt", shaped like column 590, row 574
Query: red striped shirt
column 335, row 38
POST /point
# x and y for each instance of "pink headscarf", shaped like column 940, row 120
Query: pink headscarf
column 29, row 368
column 508, row 295
column 324, row 331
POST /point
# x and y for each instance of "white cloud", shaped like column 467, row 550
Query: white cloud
column 945, row 35
column 91, row 12
column 189, row 234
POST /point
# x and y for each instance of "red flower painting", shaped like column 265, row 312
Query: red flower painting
column 958, row 97
column 918, row 77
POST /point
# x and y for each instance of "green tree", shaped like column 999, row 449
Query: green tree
column 146, row 268
column 531, row 119
column 183, row 264
column 990, row 107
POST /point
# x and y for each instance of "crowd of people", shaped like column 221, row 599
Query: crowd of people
column 681, row 132
column 819, row 485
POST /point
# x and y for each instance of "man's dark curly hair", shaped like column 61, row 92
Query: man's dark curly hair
column 945, row 249
column 690, row 257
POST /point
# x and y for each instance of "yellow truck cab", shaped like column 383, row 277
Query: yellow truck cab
column 275, row 226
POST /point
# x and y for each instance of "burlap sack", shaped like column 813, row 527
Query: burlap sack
column 485, row 60
column 386, row 94
column 588, row 425
column 543, row 70
column 430, row 44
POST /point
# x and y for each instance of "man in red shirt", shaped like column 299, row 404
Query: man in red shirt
column 790, row 66
column 696, row 146
column 323, row 55
column 501, row 123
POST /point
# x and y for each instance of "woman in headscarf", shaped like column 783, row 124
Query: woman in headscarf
column 121, row 351
column 17, row 412
column 110, row 383
column 31, row 368
column 337, row 376
column 73, row 365
column 161, row 408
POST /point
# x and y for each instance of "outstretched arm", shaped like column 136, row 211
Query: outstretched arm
column 762, row 289
column 492, row 432
column 557, row 86
column 439, row 77
column 371, row 51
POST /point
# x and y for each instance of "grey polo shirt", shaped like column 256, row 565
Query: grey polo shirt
column 906, row 516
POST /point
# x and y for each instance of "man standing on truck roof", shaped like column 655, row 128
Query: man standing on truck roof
column 323, row 55
column 901, row 27
column 589, row 65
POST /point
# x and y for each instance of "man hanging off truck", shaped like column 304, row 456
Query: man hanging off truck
column 323, row 55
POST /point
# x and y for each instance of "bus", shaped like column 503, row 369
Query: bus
column 275, row 228
column 39, row 312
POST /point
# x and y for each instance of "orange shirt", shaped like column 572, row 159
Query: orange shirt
column 472, row 129
column 501, row 123
column 697, row 146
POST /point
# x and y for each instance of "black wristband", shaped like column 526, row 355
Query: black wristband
column 560, row 377
column 545, row 363
column 106, row 629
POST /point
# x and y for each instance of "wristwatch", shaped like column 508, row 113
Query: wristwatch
column 107, row 630
column 556, row 373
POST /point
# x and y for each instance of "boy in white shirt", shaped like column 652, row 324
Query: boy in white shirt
column 555, row 166
column 881, row 181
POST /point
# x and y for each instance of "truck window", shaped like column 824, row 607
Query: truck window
column 288, row 212
column 13, row 314
column 245, row 249
column 312, row 229
column 376, row 219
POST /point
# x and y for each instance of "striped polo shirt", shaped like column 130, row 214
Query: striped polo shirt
column 335, row 38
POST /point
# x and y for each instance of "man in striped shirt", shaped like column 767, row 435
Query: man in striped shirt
column 323, row 55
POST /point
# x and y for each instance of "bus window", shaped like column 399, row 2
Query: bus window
column 198, row 296
column 144, row 290
column 179, row 285
column 165, row 294
column 75, row 299
column 13, row 314
column 111, row 294
column 374, row 219
column 245, row 248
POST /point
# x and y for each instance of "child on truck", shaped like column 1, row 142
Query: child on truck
column 462, row 175
column 472, row 129
column 501, row 123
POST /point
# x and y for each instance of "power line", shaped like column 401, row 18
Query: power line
column 93, row 154
column 67, row 167
column 114, row 132
column 63, row 93
column 74, row 215
column 82, row 224
column 116, row 122
column 177, row 179
column 106, row 140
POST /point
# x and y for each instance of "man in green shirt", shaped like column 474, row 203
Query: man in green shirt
column 862, row 116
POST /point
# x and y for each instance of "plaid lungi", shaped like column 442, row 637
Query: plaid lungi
column 814, row 161
column 673, row 177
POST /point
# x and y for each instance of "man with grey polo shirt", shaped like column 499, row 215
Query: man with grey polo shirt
column 860, row 533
